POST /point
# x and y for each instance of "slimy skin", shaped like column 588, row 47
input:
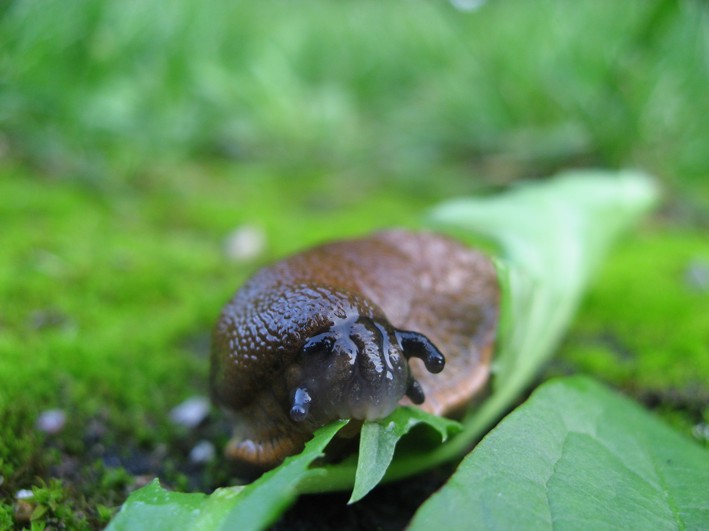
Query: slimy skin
column 351, row 329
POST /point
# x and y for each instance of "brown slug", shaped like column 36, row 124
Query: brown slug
column 348, row 330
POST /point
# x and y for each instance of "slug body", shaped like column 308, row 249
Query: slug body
column 349, row 330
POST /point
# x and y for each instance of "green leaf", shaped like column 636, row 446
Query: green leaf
column 152, row 507
column 552, row 238
column 378, row 440
column 576, row 456
column 254, row 506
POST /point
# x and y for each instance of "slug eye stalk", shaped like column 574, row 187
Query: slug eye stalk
column 301, row 405
column 414, row 391
column 417, row 345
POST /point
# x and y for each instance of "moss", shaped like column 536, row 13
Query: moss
column 6, row 517
column 116, row 478
column 104, row 514
column 51, row 508
column 20, row 455
column 644, row 326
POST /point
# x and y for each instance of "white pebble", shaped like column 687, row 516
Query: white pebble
column 202, row 453
column 697, row 275
column 245, row 243
column 468, row 5
column 701, row 431
column 24, row 494
column 51, row 421
column 191, row 412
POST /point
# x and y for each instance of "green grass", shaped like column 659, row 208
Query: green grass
column 134, row 136
column 100, row 88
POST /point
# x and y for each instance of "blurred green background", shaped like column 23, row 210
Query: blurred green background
column 136, row 136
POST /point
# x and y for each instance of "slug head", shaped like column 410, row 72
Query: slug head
column 358, row 368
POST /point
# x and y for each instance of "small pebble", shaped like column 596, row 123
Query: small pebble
column 48, row 318
column 697, row 275
column 24, row 494
column 202, row 453
column 51, row 421
column 701, row 431
column 159, row 452
column 245, row 243
column 468, row 5
column 49, row 263
column 95, row 430
column 191, row 412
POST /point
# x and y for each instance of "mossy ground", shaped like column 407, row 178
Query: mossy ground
column 644, row 326
column 128, row 154
column 109, row 295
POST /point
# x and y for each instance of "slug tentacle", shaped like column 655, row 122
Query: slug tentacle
column 331, row 332
column 301, row 405
column 415, row 392
column 417, row 345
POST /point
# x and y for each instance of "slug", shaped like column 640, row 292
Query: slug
column 351, row 329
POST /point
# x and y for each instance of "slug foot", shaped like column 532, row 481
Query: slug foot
column 265, row 453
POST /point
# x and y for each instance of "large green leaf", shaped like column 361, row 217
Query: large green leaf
column 576, row 456
column 245, row 508
column 552, row 238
